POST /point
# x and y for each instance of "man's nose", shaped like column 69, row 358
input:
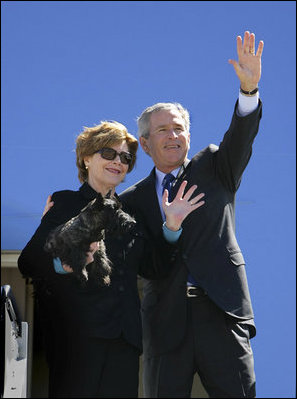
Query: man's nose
column 172, row 133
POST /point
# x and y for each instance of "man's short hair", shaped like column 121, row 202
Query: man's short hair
column 143, row 121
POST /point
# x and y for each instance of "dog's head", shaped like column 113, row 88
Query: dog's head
column 116, row 220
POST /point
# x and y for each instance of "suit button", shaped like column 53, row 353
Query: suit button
column 121, row 288
column 184, row 257
column 121, row 272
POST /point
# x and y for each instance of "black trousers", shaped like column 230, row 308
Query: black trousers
column 98, row 368
column 215, row 346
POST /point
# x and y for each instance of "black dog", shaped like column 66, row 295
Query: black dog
column 71, row 241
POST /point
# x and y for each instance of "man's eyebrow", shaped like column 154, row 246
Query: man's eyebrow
column 174, row 123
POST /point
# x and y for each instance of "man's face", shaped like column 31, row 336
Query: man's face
column 169, row 141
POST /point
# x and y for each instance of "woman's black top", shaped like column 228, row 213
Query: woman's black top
column 109, row 311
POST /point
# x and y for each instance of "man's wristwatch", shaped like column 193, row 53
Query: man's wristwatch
column 249, row 93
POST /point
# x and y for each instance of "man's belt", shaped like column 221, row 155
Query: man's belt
column 194, row 292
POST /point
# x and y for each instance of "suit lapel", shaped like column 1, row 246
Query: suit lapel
column 182, row 175
column 148, row 202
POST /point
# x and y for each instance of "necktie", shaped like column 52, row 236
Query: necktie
column 167, row 181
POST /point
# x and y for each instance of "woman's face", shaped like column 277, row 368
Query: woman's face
column 104, row 174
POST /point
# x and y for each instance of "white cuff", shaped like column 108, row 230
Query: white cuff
column 247, row 104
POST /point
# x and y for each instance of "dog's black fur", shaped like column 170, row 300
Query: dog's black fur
column 71, row 241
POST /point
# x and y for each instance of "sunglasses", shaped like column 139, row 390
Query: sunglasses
column 110, row 154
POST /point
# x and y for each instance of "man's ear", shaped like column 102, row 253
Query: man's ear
column 189, row 140
column 143, row 143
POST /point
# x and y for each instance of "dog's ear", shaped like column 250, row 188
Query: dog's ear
column 99, row 200
column 108, row 195
column 118, row 202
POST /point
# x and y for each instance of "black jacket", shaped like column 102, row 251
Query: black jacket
column 105, row 312
column 207, row 247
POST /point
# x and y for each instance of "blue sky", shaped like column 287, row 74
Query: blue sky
column 66, row 65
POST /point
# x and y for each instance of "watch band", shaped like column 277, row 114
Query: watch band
column 249, row 93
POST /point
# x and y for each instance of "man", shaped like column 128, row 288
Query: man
column 200, row 317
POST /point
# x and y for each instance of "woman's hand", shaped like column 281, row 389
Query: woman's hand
column 48, row 205
column 177, row 210
column 94, row 246
column 67, row 268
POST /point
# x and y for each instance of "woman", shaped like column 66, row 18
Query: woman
column 94, row 333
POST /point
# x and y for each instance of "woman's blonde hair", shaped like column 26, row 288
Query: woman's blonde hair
column 106, row 134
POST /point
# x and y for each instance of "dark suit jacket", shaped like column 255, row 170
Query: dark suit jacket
column 103, row 312
column 207, row 247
